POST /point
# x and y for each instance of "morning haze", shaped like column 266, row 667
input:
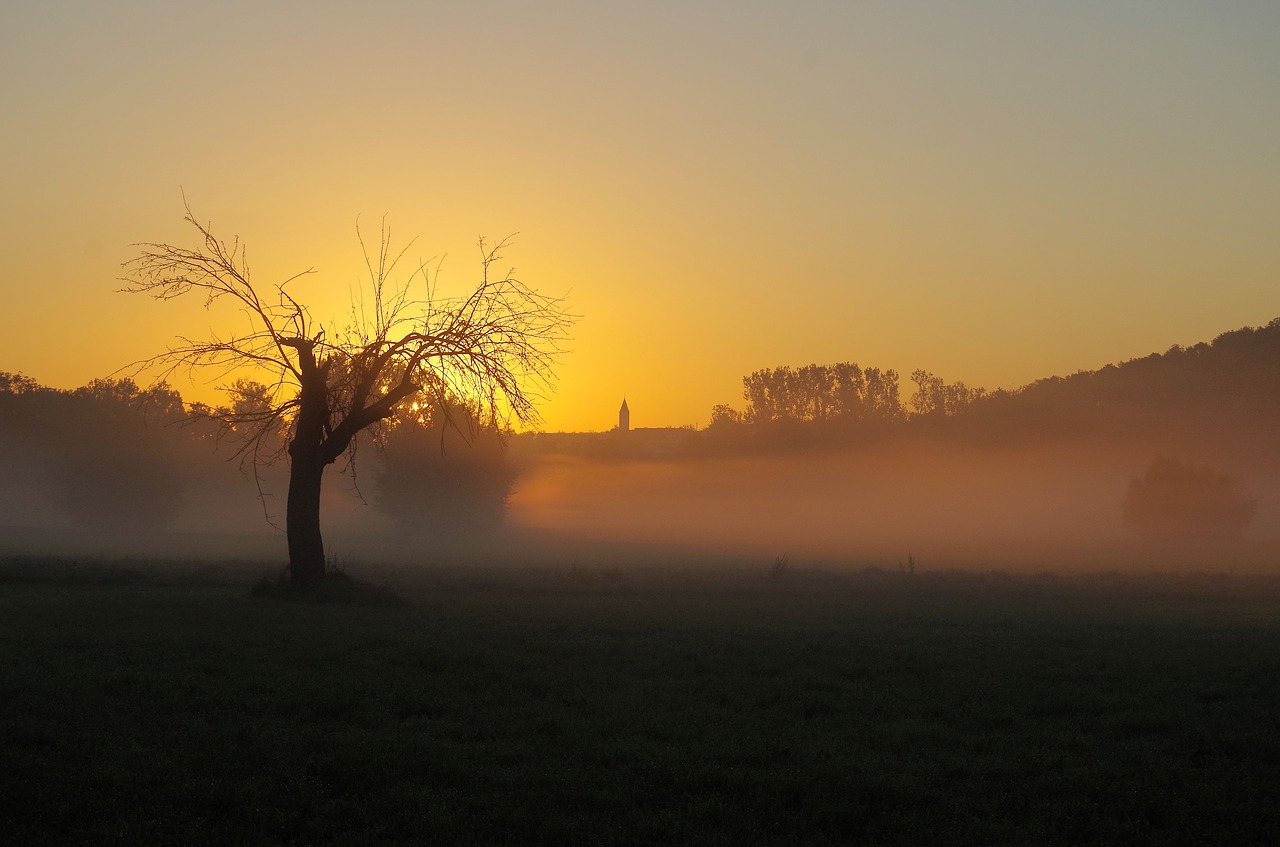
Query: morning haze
column 606, row 423
column 827, row 464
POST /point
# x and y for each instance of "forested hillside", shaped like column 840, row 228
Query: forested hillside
column 1230, row 385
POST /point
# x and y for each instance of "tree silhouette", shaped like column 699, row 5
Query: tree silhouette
column 325, row 385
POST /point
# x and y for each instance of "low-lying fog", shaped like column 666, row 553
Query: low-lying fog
column 938, row 505
column 1030, row 507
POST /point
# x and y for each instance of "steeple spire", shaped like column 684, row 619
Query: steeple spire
column 624, row 417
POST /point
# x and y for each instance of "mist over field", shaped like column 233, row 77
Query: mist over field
column 1022, row 508
column 936, row 503
column 1027, row 507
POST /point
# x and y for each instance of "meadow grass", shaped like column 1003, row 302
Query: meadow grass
column 507, row 705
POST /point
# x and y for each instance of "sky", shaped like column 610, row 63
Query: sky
column 992, row 191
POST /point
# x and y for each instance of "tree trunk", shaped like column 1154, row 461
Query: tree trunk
column 302, row 519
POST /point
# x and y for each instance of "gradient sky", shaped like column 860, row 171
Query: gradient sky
column 993, row 191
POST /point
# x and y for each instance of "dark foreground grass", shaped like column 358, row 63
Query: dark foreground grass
column 646, row 707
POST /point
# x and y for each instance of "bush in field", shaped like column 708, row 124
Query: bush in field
column 1177, row 501
column 444, row 477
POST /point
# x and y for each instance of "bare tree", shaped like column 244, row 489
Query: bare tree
column 496, row 345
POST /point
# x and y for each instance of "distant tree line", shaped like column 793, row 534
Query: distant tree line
column 1226, row 388
column 88, row 453
column 842, row 391
column 112, row 457
column 1233, row 380
column 819, row 405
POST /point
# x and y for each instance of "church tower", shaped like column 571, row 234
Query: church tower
column 624, row 417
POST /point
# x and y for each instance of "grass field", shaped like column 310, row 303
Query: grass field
column 638, row 706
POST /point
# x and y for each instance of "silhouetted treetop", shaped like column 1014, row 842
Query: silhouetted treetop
column 17, row 383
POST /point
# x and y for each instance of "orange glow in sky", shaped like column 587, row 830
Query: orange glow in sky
column 995, row 192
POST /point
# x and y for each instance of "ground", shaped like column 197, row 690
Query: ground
column 150, row 704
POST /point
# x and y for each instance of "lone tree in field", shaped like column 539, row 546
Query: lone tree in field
column 325, row 385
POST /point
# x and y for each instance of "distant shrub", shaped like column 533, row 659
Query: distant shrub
column 1177, row 501
column 442, row 483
